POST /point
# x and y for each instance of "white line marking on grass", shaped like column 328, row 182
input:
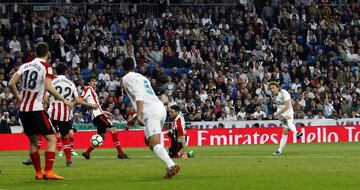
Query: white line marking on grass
column 224, row 156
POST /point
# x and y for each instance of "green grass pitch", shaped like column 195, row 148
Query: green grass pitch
column 302, row 166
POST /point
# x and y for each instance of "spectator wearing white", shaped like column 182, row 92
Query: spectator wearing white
column 342, row 52
column 297, row 61
column 149, row 58
column 88, row 27
column 296, row 85
column 6, row 94
column 243, row 77
column 259, row 114
column 222, row 117
column 118, row 49
column 151, row 21
column 183, row 54
column 103, row 94
column 75, row 60
column 203, row 95
column 222, row 47
column 241, row 115
column 167, row 13
column 227, row 106
column 78, row 118
column 112, row 84
column 313, row 25
column 195, row 55
column 169, row 85
column 311, row 37
column 348, row 43
column 258, row 70
column 157, row 54
column 72, row 58
column 103, row 48
column 351, row 56
column 59, row 18
column 15, row 45
column 206, row 20
column 196, row 30
column 328, row 109
column 258, row 53
column 223, row 25
column 104, row 76
column 231, row 116
column 180, row 30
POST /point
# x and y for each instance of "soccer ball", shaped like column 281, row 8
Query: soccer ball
column 96, row 140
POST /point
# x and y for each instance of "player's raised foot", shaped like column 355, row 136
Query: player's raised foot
column 68, row 163
column 123, row 156
column 277, row 153
column 172, row 171
column 299, row 135
column 191, row 154
column 51, row 175
column 73, row 153
column 39, row 175
column 61, row 153
column 27, row 162
column 86, row 156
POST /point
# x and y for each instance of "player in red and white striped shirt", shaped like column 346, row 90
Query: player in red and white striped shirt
column 61, row 114
column 100, row 119
column 178, row 135
column 35, row 77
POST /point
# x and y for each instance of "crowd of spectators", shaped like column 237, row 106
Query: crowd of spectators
column 215, row 64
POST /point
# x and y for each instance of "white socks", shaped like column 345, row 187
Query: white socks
column 163, row 155
column 282, row 142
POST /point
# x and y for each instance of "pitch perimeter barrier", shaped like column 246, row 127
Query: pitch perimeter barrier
column 208, row 137
column 224, row 124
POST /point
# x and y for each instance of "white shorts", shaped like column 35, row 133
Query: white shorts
column 154, row 121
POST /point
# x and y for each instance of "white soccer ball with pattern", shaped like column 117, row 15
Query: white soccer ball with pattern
column 96, row 140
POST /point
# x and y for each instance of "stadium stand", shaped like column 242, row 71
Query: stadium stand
column 211, row 58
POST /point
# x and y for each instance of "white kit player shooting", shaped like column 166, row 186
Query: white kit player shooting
column 150, row 112
column 285, row 113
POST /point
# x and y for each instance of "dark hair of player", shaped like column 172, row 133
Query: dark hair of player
column 92, row 77
column 41, row 49
column 273, row 83
column 175, row 107
column 128, row 64
column 60, row 69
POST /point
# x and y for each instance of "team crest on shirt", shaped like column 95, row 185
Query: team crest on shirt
column 49, row 70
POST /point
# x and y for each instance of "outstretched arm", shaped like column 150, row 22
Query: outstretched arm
column 81, row 101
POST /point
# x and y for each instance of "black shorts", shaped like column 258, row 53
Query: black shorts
column 101, row 123
column 63, row 127
column 36, row 123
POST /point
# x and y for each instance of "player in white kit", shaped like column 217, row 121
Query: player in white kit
column 150, row 112
column 285, row 113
